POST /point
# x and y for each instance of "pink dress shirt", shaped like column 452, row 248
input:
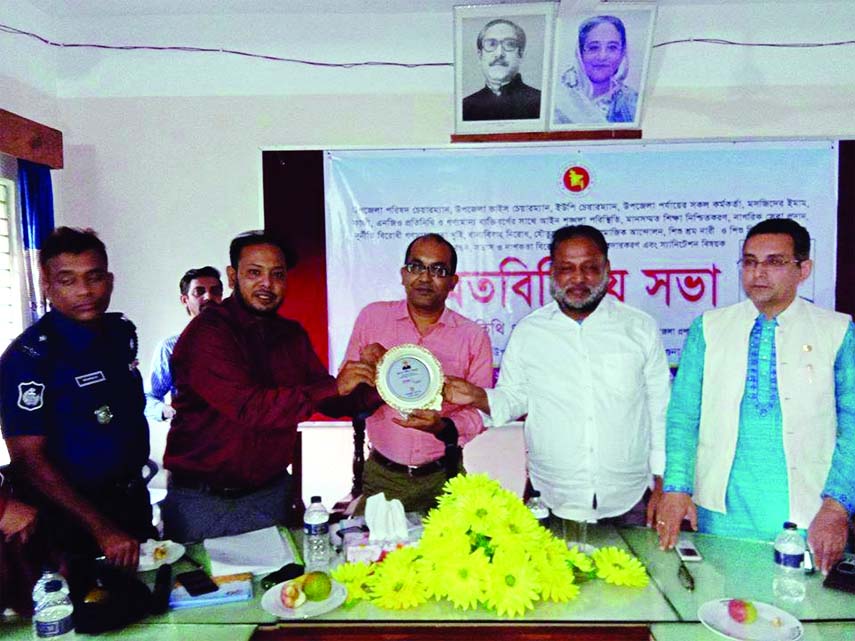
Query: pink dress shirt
column 460, row 345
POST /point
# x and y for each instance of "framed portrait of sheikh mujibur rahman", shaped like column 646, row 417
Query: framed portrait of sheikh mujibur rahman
column 502, row 57
column 600, row 66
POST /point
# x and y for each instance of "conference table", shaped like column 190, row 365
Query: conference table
column 665, row 610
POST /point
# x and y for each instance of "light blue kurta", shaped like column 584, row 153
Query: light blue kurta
column 757, row 499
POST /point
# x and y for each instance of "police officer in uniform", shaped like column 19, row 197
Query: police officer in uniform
column 71, row 407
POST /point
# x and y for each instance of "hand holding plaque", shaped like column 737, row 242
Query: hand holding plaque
column 409, row 377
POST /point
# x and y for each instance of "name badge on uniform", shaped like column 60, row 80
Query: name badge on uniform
column 103, row 414
column 31, row 396
column 90, row 379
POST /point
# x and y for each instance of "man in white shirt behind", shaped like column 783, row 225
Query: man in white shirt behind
column 592, row 377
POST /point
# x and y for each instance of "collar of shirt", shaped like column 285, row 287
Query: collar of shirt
column 750, row 313
column 76, row 335
column 246, row 318
column 602, row 312
column 503, row 89
column 446, row 318
column 792, row 310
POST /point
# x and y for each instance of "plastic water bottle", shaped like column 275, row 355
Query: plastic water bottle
column 789, row 583
column 538, row 508
column 49, row 573
column 316, row 536
column 52, row 618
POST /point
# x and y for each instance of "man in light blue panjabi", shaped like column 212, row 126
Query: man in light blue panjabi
column 761, row 424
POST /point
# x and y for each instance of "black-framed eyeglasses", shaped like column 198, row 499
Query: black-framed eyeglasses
column 771, row 262
column 437, row 270
column 509, row 45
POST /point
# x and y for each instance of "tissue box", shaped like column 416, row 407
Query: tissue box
column 358, row 549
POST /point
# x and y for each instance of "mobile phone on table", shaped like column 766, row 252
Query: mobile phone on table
column 842, row 575
column 197, row 582
column 687, row 551
column 285, row 573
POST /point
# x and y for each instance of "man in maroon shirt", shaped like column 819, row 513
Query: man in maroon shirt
column 245, row 377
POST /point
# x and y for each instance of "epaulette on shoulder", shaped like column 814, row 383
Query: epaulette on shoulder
column 119, row 319
column 128, row 327
column 32, row 342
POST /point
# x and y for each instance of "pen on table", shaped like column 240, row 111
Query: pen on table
column 686, row 578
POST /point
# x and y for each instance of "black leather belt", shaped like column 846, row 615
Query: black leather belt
column 179, row 480
column 411, row 470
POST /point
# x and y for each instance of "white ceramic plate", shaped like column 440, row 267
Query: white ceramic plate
column 173, row 552
column 772, row 624
column 272, row 604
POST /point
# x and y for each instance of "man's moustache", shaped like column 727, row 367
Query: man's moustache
column 499, row 61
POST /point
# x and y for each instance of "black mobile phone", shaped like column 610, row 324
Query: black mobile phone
column 196, row 582
column 285, row 573
column 842, row 575
column 687, row 551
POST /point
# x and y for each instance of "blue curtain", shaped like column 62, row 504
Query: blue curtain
column 36, row 223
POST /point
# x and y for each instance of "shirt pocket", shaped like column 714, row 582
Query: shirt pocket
column 621, row 375
column 453, row 357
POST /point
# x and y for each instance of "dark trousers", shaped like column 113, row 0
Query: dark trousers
column 127, row 506
column 193, row 514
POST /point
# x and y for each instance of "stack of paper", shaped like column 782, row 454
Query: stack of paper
column 258, row 552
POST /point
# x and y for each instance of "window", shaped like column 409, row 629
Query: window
column 10, row 293
column 11, row 320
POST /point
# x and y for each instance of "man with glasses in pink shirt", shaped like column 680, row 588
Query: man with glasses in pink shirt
column 412, row 458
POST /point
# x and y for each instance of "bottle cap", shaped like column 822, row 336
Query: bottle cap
column 535, row 494
column 316, row 499
column 54, row 585
column 789, row 525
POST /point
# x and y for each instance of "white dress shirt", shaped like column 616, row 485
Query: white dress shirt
column 595, row 394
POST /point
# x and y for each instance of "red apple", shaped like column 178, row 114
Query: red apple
column 291, row 595
column 742, row 611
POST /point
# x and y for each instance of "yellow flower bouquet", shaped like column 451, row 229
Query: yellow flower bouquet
column 482, row 547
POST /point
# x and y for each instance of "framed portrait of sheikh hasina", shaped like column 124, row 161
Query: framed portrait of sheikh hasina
column 501, row 67
column 600, row 66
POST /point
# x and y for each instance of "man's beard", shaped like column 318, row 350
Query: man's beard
column 587, row 304
column 252, row 310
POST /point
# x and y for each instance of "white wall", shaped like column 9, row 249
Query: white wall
column 27, row 68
